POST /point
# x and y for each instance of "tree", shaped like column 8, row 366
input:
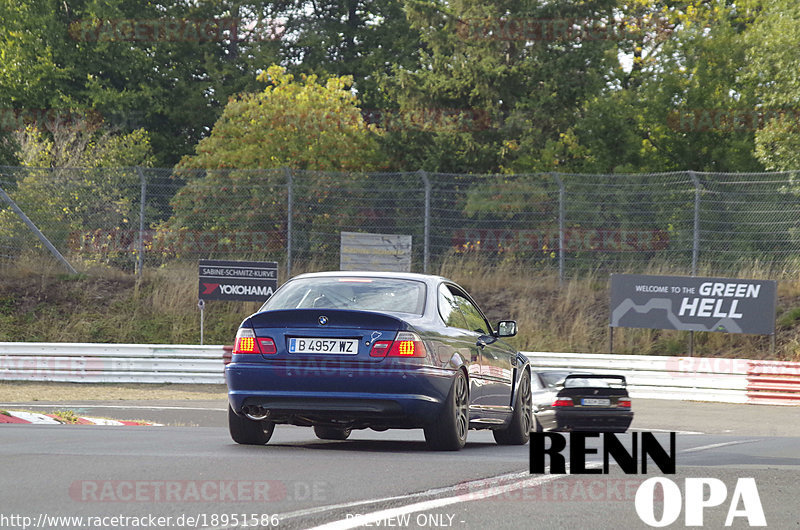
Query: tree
column 667, row 105
column 78, row 185
column 235, row 184
column 493, row 60
column 168, row 67
column 772, row 65
column 363, row 39
column 303, row 125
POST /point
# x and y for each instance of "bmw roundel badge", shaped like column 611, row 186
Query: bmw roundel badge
column 323, row 320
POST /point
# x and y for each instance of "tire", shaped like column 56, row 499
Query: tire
column 246, row 431
column 518, row 431
column 449, row 431
column 325, row 432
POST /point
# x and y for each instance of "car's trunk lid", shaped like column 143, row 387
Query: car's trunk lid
column 324, row 334
column 594, row 391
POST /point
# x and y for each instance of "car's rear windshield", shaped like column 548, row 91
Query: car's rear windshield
column 552, row 378
column 367, row 294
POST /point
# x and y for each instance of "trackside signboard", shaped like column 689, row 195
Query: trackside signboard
column 247, row 281
column 375, row 252
column 693, row 304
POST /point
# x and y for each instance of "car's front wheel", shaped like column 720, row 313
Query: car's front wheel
column 246, row 431
column 325, row 432
column 518, row 431
column 449, row 431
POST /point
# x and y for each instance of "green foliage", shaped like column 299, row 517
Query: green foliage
column 662, row 105
column 86, row 55
column 65, row 201
column 789, row 318
column 82, row 144
column 66, row 416
column 612, row 97
column 474, row 61
column 303, row 125
column 772, row 65
column 290, row 124
column 364, row 39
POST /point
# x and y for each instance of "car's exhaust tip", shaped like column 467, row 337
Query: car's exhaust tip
column 255, row 412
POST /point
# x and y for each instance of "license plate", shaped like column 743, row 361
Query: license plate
column 316, row 345
column 595, row 402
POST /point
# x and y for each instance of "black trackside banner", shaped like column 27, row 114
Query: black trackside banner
column 247, row 281
column 693, row 303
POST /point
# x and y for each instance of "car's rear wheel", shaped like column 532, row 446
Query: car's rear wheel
column 325, row 432
column 246, row 431
column 518, row 431
column 449, row 431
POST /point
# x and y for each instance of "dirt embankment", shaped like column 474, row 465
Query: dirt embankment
column 112, row 307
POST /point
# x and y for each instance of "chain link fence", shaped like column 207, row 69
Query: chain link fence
column 134, row 218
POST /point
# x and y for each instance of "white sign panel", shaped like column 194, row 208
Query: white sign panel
column 375, row 252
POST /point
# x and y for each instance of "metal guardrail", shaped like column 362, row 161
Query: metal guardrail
column 689, row 378
column 110, row 363
column 681, row 378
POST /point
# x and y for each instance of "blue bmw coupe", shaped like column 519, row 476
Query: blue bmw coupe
column 339, row 351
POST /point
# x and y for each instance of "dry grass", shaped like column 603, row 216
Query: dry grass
column 27, row 392
column 39, row 303
column 574, row 317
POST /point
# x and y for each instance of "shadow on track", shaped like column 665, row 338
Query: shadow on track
column 373, row 446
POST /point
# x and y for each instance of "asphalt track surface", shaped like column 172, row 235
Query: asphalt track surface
column 190, row 468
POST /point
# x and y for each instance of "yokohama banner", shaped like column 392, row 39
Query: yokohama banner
column 253, row 281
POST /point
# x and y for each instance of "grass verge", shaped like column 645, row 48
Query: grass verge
column 109, row 306
column 28, row 392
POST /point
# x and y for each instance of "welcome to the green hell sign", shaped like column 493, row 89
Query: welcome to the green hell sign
column 693, row 303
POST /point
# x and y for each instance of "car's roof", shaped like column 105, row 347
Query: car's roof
column 374, row 274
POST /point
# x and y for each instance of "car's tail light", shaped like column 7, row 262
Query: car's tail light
column 380, row 348
column 407, row 345
column 624, row 403
column 563, row 402
column 247, row 342
column 267, row 346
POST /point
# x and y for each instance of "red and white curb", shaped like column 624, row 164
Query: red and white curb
column 16, row 416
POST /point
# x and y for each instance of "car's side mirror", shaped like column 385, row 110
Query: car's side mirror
column 506, row 328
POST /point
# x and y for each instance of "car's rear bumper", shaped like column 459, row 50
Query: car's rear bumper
column 403, row 396
column 586, row 420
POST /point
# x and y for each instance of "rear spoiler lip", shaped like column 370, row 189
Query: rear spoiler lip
column 261, row 320
column 596, row 376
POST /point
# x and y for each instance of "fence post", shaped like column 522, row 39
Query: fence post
column 561, row 213
column 46, row 242
column 696, row 236
column 289, row 215
column 426, row 244
column 140, row 244
column 695, row 242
